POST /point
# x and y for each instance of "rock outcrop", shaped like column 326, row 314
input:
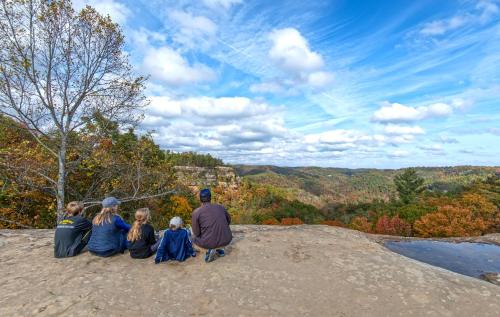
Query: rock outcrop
column 268, row 271
column 197, row 177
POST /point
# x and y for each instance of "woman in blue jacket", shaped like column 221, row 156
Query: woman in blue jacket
column 109, row 231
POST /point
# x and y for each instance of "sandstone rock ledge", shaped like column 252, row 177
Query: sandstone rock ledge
column 269, row 271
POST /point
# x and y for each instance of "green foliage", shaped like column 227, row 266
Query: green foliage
column 192, row 159
column 409, row 185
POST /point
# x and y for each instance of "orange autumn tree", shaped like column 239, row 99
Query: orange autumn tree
column 450, row 221
column 172, row 206
column 361, row 223
column 392, row 226
column 271, row 222
column 334, row 223
column 291, row 221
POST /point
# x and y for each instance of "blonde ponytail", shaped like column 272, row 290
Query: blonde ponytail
column 141, row 217
column 104, row 216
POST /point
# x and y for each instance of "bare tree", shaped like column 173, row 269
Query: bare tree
column 57, row 67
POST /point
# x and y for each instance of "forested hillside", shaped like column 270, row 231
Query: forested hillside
column 322, row 186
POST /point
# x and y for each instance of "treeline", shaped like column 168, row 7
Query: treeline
column 327, row 186
column 192, row 159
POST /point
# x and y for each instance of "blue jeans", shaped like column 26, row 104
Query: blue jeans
column 122, row 247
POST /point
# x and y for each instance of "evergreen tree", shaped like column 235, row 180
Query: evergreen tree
column 408, row 185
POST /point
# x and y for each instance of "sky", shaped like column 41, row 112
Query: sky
column 353, row 83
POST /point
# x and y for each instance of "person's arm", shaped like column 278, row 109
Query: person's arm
column 151, row 236
column 87, row 225
column 195, row 226
column 87, row 229
column 120, row 224
column 228, row 217
column 161, row 253
column 189, row 246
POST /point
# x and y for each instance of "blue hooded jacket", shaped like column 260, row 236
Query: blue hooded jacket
column 109, row 237
column 174, row 245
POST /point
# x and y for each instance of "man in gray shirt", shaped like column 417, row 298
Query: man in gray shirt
column 210, row 225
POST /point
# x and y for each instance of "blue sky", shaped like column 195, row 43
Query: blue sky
column 383, row 84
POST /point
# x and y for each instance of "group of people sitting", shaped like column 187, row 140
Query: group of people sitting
column 108, row 234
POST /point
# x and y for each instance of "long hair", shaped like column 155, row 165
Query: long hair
column 104, row 216
column 141, row 217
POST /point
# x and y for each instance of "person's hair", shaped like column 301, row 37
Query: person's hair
column 205, row 195
column 74, row 208
column 141, row 217
column 105, row 215
column 179, row 224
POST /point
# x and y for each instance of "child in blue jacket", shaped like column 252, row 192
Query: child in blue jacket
column 176, row 243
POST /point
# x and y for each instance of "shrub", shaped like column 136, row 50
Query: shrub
column 271, row 221
column 392, row 226
column 291, row 221
column 361, row 223
column 334, row 223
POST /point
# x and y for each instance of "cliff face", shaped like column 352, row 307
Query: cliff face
column 267, row 271
column 198, row 177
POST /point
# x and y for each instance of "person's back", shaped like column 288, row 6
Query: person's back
column 141, row 237
column 210, row 224
column 175, row 244
column 72, row 232
column 108, row 230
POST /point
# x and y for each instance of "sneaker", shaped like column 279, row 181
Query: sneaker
column 210, row 255
column 220, row 252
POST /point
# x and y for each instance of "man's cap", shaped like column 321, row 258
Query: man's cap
column 110, row 202
column 205, row 194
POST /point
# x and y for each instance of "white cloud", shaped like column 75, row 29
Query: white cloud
column 303, row 68
column 461, row 104
column 394, row 129
column 436, row 110
column 440, row 27
column 400, row 113
column 319, row 79
column 266, row 87
column 396, row 112
column 193, row 31
column 291, row 52
column 483, row 13
column 117, row 11
column 433, row 148
column 169, row 66
column 221, row 4
column 399, row 153
column 209, row 107
column 342, row 140
column 402, row 139
column 488, row 10
column 227, row 124
column 447, row 140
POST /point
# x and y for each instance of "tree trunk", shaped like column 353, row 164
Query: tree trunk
column 61, row 179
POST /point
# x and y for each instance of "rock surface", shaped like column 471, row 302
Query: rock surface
column 268, row 271
column 197, row 177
